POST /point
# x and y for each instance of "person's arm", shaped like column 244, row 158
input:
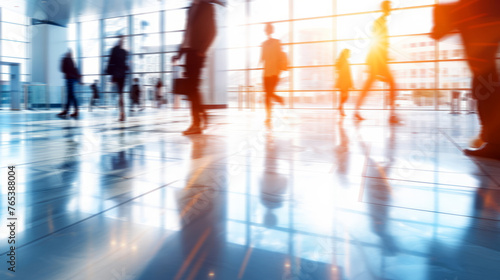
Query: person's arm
column 182, row 49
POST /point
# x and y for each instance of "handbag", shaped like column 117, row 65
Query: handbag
column 180, row 84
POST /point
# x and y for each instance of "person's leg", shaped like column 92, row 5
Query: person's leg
column 71, row 97
column 273, row 83
column 480, row 48
column 344, row 94
column 194, row 64
column 393, row 118
column 362, row 95
column 68, row 98
column 485, row 82
column 268, row 95
column 120, row 83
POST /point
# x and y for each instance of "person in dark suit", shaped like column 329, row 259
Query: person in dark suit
column 118, row 68
column 72, row 75
column 135, row 95
column 344, row 78
column 95, row 95
column 198, row 36
column 478, row 22
column 378, row 63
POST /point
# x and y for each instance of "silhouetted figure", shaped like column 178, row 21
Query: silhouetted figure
column 158, row 93
column 344, row 78
column 72, row 76
column 478, row 22
column 135, row 95
column 198, row 36
column 271, row 57
column 273, row 184
column 95, row 95
column 118, row 68
column 377, row 60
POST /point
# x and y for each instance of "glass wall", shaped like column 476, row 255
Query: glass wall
column 14, row 47
column 426, row 72
column 151, row 38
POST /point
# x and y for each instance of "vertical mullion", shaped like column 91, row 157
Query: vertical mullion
column 335, row 51
column 436, row 71
column 247, row 50
column 290, row 55
column 102, row 53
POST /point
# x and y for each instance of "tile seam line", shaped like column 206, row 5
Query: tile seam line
column 88, row 218
column 430, row 211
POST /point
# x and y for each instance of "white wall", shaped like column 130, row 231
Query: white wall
column 48, row 47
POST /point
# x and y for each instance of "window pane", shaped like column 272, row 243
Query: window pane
column 91, row 66
column 317, row 78
column 454, row 75
column 91, row 48
column 90, row 30
column 147, row 43
column 303, row 8
column 360, row 26
column 451, row 48
column 313, row 54
column 175, row 20
column 146, row 63
column 236, row 58
column 173, row 40
column 115, row 27
column 403, row 22
column 9, row 16
column 13, row 49
column 71, row 31
column 147, row 23
column 14, row 32
column 414, row 48
column 313, row 30
column 265, row 10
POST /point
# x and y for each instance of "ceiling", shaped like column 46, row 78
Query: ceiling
column 65, row 11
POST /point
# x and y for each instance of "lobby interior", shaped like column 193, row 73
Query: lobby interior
column 311, row 195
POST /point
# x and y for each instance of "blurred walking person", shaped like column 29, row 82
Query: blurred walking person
column 344, row 78
column 478, row 22
column 274, row 60
column 95, row 95
column 378, row 67
column 118, row 68
column 135, row 95
column 72, row 76
column 158, row 93
column 199, row 35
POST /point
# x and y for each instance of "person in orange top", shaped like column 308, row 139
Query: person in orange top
column 271, row 57
column 377, row 60
column 344, row 78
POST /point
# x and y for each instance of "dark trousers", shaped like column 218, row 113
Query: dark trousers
column 70, row 93
column 194, row 64
column 481, row 48
column 270, row 84
column 120, row 85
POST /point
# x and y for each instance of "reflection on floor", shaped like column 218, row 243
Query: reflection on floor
column 311, row 197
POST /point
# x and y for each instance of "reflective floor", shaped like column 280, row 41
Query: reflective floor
column 310, row 197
